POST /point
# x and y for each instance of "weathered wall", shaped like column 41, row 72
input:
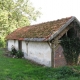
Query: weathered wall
column 25, row 49
column 14, row 43
column 59, row 59
column 10, row 43
column 40, row 52
column 37, row 51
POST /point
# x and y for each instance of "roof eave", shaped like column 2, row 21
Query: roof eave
column 34, row 39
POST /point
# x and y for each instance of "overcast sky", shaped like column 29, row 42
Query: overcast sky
column 56, row 9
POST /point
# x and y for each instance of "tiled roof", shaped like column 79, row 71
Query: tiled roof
column 43, row 30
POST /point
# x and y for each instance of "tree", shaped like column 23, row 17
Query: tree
column 15, row 14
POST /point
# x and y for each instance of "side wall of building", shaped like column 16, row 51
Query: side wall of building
column 39, row 52
column 12, row 42
column 16, row 44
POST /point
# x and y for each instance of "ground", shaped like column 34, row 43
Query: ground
column 21, row 69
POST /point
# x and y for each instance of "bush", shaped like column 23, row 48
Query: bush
column 13, row 51
column 66, row 72
column 19, row 54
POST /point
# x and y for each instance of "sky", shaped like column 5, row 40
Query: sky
column 56, row 9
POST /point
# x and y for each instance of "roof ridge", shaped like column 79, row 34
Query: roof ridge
column 50, row 21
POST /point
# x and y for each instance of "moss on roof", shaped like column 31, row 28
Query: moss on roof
column 43, row 30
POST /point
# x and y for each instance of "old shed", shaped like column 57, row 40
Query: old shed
column 41, row 42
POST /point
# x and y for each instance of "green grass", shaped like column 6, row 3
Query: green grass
column 21, row 69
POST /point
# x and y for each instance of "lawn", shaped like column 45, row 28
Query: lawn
column 21, row 69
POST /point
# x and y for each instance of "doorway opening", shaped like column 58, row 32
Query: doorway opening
column 20, row 45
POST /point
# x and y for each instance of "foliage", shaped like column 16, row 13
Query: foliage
column 15, row 14
column 65, row 72
column 13, row 51
column 71, row 49
column 2, row 42
column 71, row 45
column 21, row 69
column 18, row 53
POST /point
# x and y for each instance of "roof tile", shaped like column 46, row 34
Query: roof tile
column 43, row 30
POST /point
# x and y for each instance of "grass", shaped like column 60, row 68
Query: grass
column 21, row 69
